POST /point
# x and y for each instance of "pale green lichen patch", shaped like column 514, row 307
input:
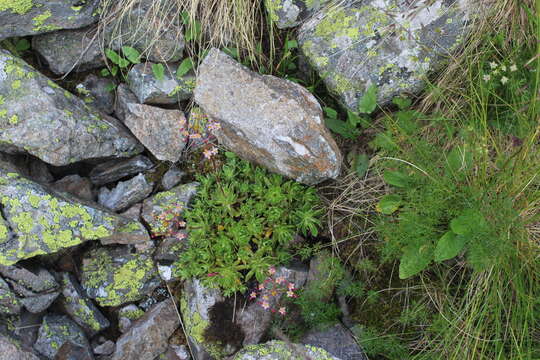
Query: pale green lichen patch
column 20, row 7
column 279, row 350
column 39, row 22
column 338, row 23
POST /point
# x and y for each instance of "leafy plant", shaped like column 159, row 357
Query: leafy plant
column 242, row 222
column 121, row 62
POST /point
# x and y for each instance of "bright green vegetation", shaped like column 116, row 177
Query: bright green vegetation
column 242, row 222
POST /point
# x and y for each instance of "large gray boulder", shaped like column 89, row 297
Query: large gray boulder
column 388, row 43
column 31, row 17
column 36, row 221
column 267, row 120
column 40, row 118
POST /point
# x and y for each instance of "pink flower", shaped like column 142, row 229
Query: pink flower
column 290, row 286
column 253, row 295
column 208, row 153
column 261, row 286
column 265, row 305
column 180, row 235
column 282, row 311
column 290, row 293
column 272, row 270
column 212, row 274
column 214, row 126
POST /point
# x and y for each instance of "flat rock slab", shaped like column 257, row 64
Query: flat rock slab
column 117, row 169
column 279, row 350
column 38, row 221
column 31, row 17
column 148, row 337
column 267, row 120
column 125, row 194
column 40, row 118
column 388, row 43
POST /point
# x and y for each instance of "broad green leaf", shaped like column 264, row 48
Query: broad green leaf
column 291, row 44
column 331, row 113
column 132, row 54
column 341, row 128
column 110, row 86
column 415, row 259
column 356, row 120
column 389, row 204
column 402, row 102
column 105, row 72
column 193, row 31
column 361, row 164
column 368, row 102
column 384, row 141
column 112, row 55
column 396, row 178
column 471, row 221
column 449, row 246
column 185, row 66
column 159, row 71
column 22, row 45
column 114, row 70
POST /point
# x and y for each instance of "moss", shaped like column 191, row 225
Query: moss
column 20, row 7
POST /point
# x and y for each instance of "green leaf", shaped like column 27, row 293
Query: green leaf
column 341, row 128
column 449, row 246
column 185, row 66
column 396, row 178
column 112, row 55
column 110, row 86
column 291, row 44
column 232, row 52
column 185, row 17
column 114, row 70
column 331, row 113
column 368, row 102
column 389, row 204
column 361, row 164
column 22, row 45
column 132, row 54
column 415, row 259
column 471, row 221
column 356, row 120
column 105, row 72
column 459, row 159
column 193, row 31
column 402, row 102
column 159, row 71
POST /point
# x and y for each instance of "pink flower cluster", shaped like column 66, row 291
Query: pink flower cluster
column 269, row 292
column 170, row 222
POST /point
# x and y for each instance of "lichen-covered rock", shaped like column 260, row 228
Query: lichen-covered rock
column 114, row 276
column 11, row 349
column 171, row 178
column 28, row 166
column 279, row 350
column 40, row 118
column 162, row 210
column 195, row 307
column 117, row 169
column 127, row 315
column 159, row 130
column 70, row 50
column 388, row 43
column 337, row 340
column 270, row 121
column 169, row 90
column 290, row 13
column 158, row 41
column 106, row 348
column 148, row 336
column 9, row 302
column 125, row 193
column 80, row 308
column 55, row 331
column 30, row 17
column 254, row 319
column 39, row 221
column 98, row 92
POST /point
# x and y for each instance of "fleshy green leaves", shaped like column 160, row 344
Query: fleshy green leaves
column 368, row 102
column 132, row 54
column 116, row 58
column 389, row 204
column 397, row 179
column 449, row 246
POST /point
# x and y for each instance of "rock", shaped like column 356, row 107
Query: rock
column 290, row 13
column 99, row 92
column 279, row 350
column 80, row 308
column 9, row 302
column 75, row 185
column 162, row 211
column 26, row 327
column 31, row 17
column 270, row 121
column 159, row 130
column 337, row 340
column 255, row 320
column 127, row 315
column 195, row 307
column 70, row 351
column 169, row 90
column 158, row 41
column 55, row 331
column 107, row 348
column 113, row 276
column 133, row 212
column 171, row 248
column 28, row 166
column 175, row 352
column 387, row 43
column 125, row 194
column 40, row 118
column 70, row 50
column 147, row 338
column 39, row 221
column 200, row 128
column 10, row 349
column 171, row 178
column 124, row 97
column 117, row 169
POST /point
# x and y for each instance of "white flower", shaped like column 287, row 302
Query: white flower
column 486, row 77
column 493, row 64
column 503, row 68
column 504, row 80
column 513, row 67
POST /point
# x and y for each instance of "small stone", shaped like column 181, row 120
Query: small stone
column 169, row 90
column 97, row 92
column 337, row 340
column 117, row 169
column 125, row 194
column 70, row 50
column 171, row 178
column 107, row 348
column 148, row 337
column 80, row 308
column 55, row 331
column 162, row 210
column 11, row 349
column 290, row 13
column 70, row 351
column 175, row 352
column 40, row 302
column 75, row 185
column 267, row 120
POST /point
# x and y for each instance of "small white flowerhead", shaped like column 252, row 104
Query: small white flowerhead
column 503, row 68
column 513, row 67
column 486, row 77
column 495, row 72
column 493, row 64
column 504, row 80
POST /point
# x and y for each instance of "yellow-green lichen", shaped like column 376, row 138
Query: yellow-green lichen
column 338, row 23
column 20, row 7
column 39, row 22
